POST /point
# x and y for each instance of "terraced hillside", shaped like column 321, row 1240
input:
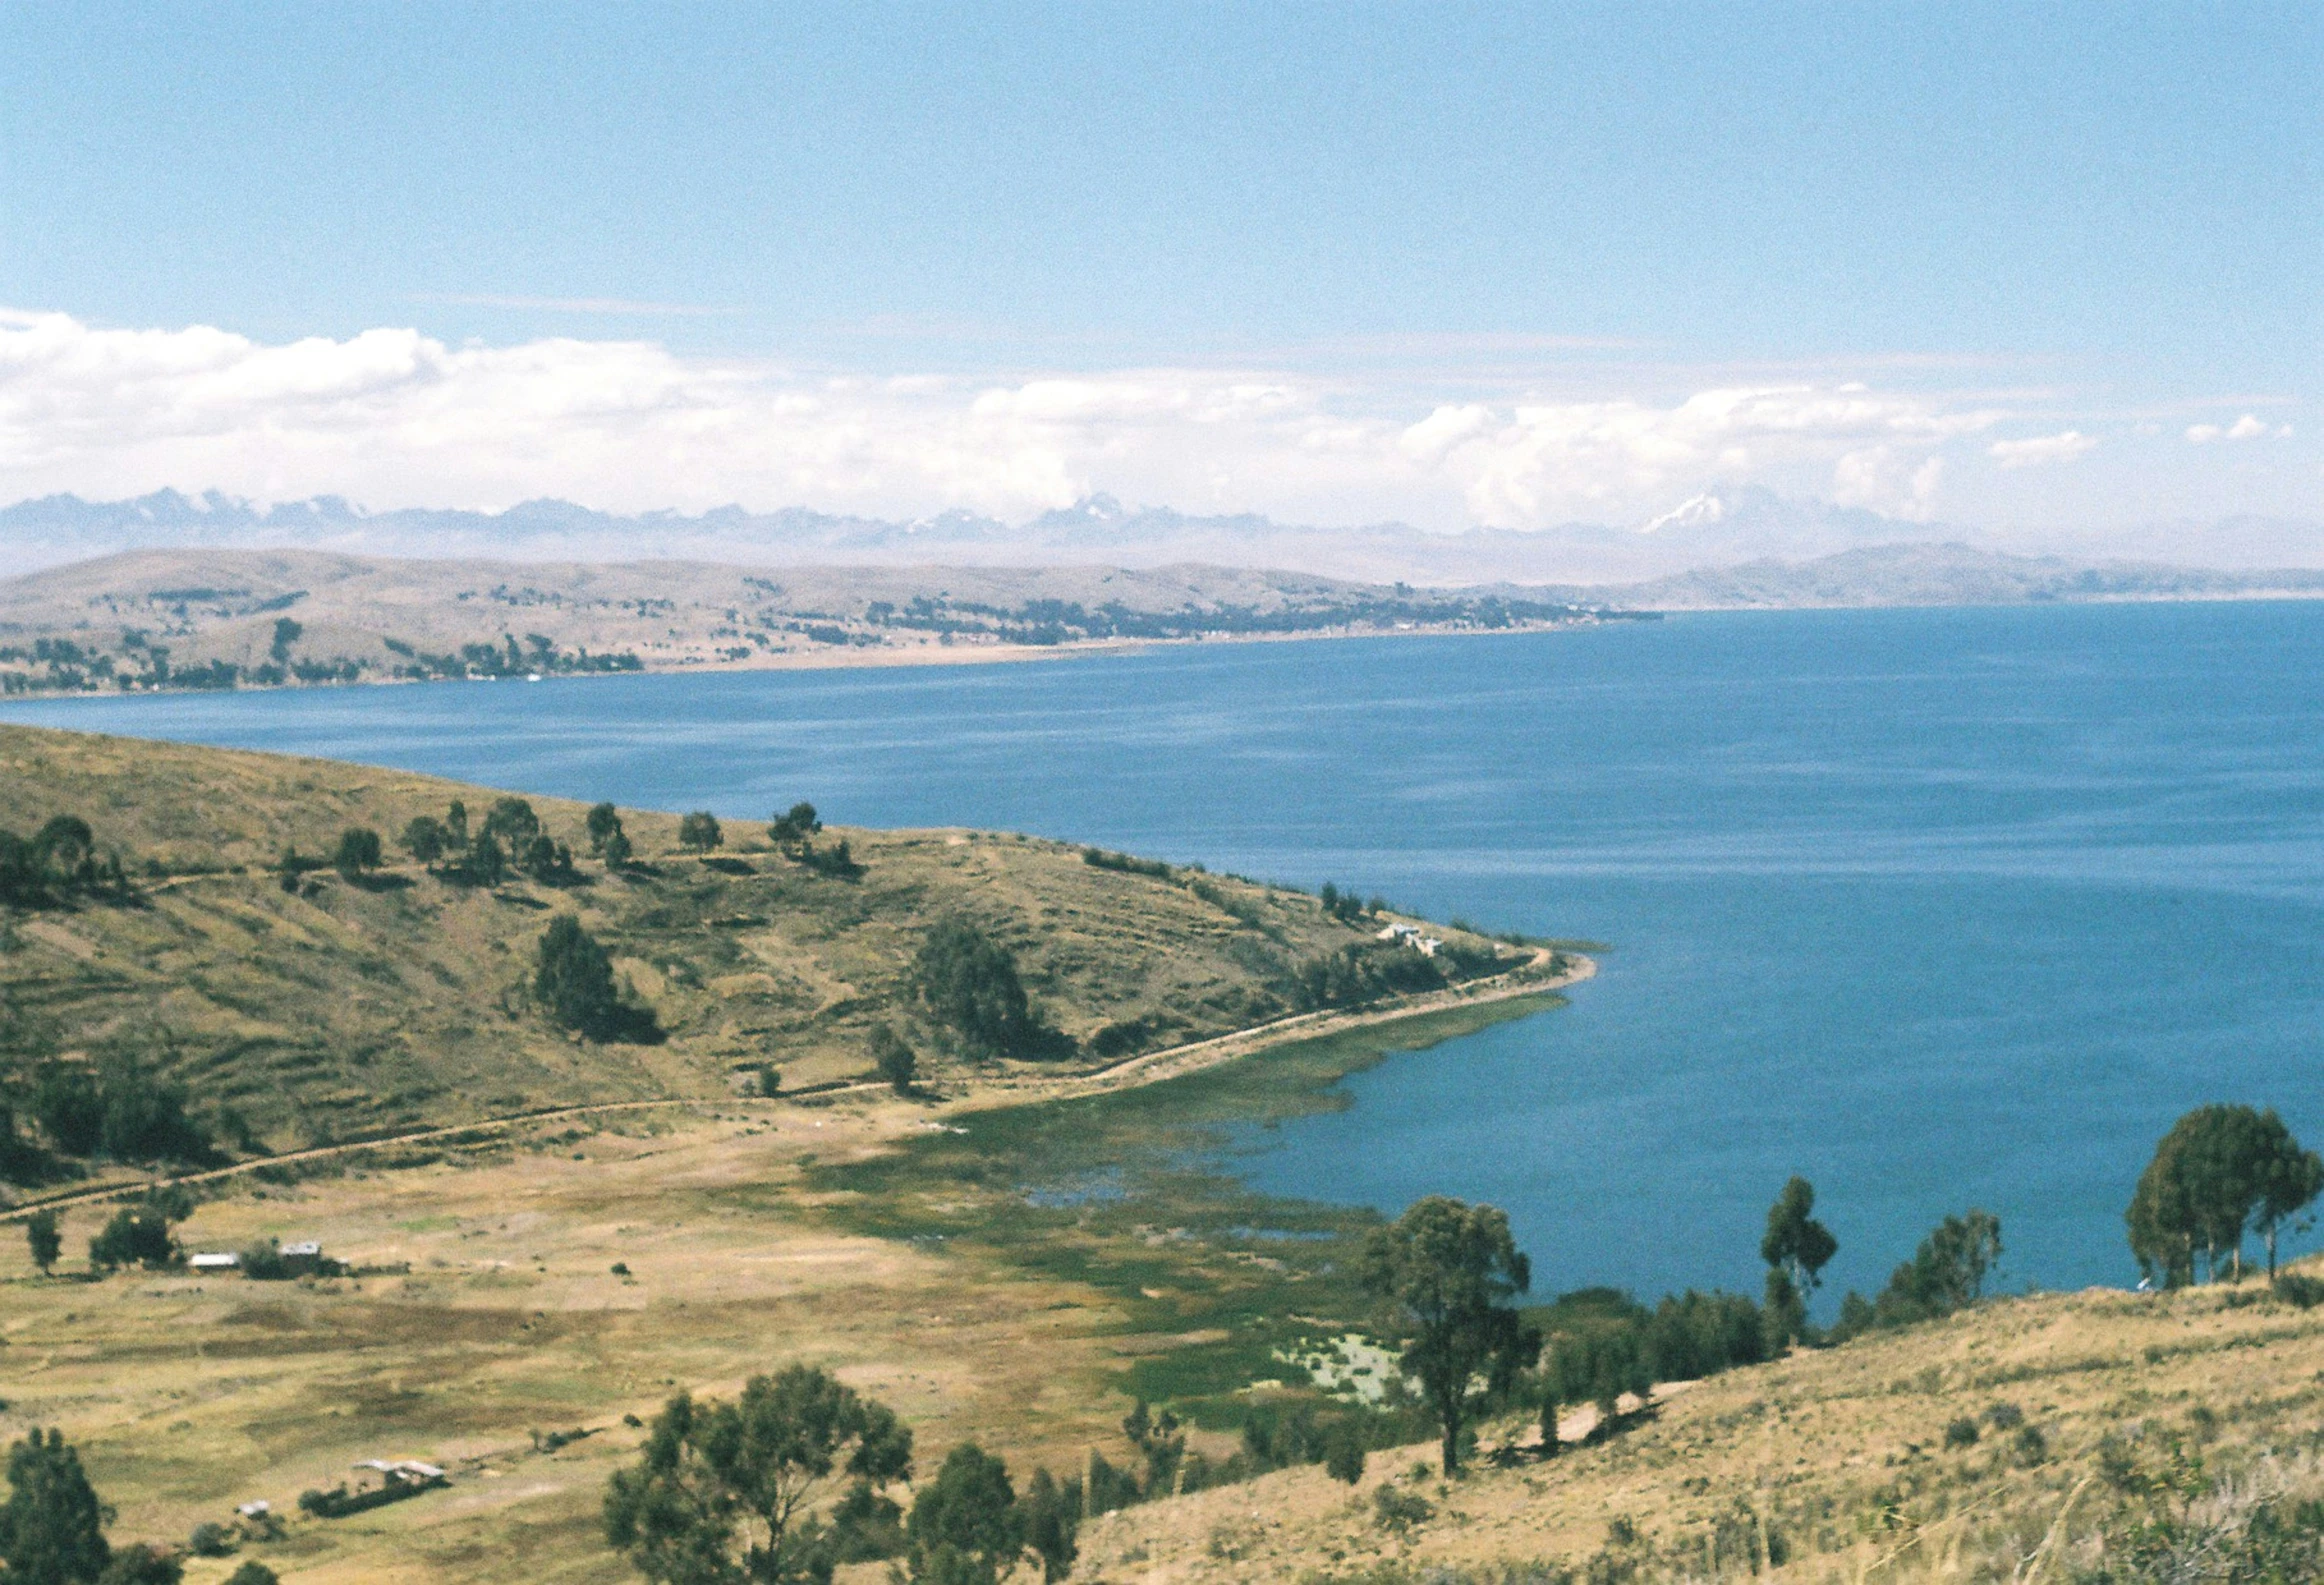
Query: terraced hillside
column 343, row 1007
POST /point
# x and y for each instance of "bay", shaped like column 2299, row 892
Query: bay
column 1938, row 908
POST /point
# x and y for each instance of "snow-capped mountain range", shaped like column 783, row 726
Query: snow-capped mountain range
column 1720, row 529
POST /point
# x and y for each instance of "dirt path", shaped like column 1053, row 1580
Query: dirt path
column 1150, row 1068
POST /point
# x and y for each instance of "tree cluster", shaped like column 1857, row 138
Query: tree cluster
column 58, row 864
column 1946, row 1273
column 573, row 982
column 793, row 833
column 789, row 1481
column 2221, row 1172
column 607, row 840
column 122, row 1112
column 1361, row 973
column 509, row 840
column 970, row 985
column 139, row 1235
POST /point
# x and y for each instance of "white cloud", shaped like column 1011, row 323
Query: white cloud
column 1543, row 463
column 391, row 417
column 1886, row 480
column 2041, row 449
column 2248, row 427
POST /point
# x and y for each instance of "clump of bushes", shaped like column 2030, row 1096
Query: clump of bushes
column 139, row 1235
column 1361, row 973
column 970, row 985
column 58, row 864
column 122, row 1112
column 573, row 982
column 1126, row 864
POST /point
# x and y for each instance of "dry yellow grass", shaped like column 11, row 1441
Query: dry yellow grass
column 191, row 1394
column 1839, row 1454
column 347, row 1010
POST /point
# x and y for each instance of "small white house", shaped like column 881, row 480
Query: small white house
column 306, row 1249
column 220, row 1260
column 1427, row 945
column 255, row 1510
column 1399, row 932
column 394, row 1471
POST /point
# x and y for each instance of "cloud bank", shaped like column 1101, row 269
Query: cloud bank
column 392, row 417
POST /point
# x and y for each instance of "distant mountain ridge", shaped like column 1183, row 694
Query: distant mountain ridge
column 1721, row 529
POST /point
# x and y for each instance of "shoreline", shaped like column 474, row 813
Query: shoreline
column 851, row 658
column 979, row 1094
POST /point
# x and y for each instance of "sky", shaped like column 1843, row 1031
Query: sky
column 2048, row 266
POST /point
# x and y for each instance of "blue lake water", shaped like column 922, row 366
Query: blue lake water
column 1939, row 908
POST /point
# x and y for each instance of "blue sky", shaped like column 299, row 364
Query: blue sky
column 1181, row 252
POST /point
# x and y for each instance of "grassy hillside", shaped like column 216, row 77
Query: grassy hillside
column 353, row 1007
column 2118, row 1437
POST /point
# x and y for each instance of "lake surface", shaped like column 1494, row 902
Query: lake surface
column 1940, row 908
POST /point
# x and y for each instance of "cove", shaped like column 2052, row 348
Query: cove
column 1939, row 908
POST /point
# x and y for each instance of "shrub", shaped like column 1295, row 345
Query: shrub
column 794, row 826
column 254, row 1572
column 1398, row 1510
column 2303, row 1292
column 43, row 1240
column 1961, row 1433
column 140, row 1564
column 2030, row 1446
column 699, row 833
column 210, row 1539
column 426, row 839
column 892, row 1059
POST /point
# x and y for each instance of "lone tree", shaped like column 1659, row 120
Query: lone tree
column 425, row 838
column 1449, row 1271
column 574, row 979
column 963, row 1527
column 1796, row 1248
column 513, row 824
column 358, row 853
column 699, row 833
column 2220, row 1170
column 604, row 821
column 45, row 1242
column 719, row 1491
column 892, row 1059
column 794, row 826
column 52, row 1529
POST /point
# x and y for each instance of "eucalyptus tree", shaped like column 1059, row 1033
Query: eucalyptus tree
column 1448, row 1272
